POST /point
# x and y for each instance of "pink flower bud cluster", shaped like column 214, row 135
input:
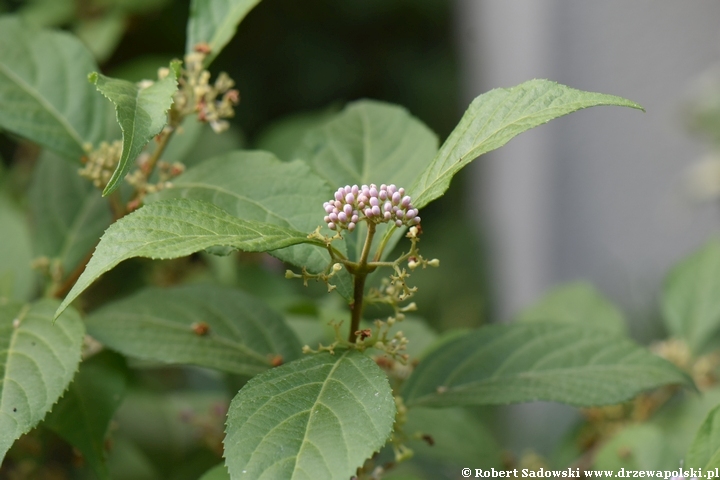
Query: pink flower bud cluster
column 378, row 205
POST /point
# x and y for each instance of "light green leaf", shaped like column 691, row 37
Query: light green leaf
column 572, row 364
column 176, row 228
column 44, row 94
column 83, row 414
column 16, row 276
column 254, row 185
column 706, row 445
column 38, row 359
column 243, row 334
column 68, row 213
column 214, row 23
column 141, row 113
column 369, row 142
column 316, row 418
column 576, row 303
column 691, row 305
column 637, row 447
column 493, row 119
column 219, row 472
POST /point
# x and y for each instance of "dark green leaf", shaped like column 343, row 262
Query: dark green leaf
column 213, row 22
column 493, row 119
column 69, row 214
column 16, row 275
column 210, row 326
column 83, row 415
column 577, row 303
column 141, row 112
column 44, row 94
column 318, row 418
column 706, row 446
column 691, row 305
column 176, row 228
column 501, row 364
column 38, row 359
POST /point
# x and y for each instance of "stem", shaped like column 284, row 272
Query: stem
column 162, row 144
column 356, row 307
column 360, row 274
column 69, row 282
column 383, row 242
column 116, row 205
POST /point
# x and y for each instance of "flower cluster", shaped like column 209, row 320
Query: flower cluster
column 101, row 163
column 212, row 102
column 377, row 205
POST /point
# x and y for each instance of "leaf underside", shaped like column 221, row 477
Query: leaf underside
column 141, row 113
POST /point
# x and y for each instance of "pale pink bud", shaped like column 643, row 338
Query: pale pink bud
column 342, row 217
column 376, row 210
column 351, row 226
column 354, row 218
column 373, row 201
column 348, row 209
column 331, row 226
column 350, row 198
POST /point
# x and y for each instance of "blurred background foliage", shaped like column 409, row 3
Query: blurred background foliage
column 295, row 63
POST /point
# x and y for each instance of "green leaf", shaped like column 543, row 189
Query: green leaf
column 243, row 334
column 317, row 418
column 706, row 444
column 16, row 276
column 576, row 303
column 214, row 23
column 500, row 364
column 284, row 136
column 493, row 119
column 176, row 228
column 219, row 472
column 38, row 359
column 691, row 306
column 69, row 214
column 370, row 142
column 44, row 95
column 102, row 34
column 637, row 447
column 141, row 113
column 83, row 415
column 459, row 438
column 254, row 185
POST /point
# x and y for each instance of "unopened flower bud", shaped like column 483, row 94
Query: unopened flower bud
column 434, row 262
column 337, row 267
